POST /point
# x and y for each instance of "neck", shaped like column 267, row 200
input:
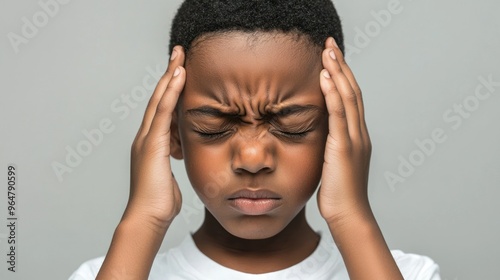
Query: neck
column 290, row 246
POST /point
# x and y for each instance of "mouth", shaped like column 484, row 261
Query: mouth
column 254, row 203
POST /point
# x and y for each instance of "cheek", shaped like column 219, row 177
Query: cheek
column 298, row 169
column 301, row 169
column 207, row 169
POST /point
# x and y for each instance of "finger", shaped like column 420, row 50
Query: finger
column 176, row 59
column 347, row 94
column 160, row 125
column 337, row 122
column 330, row 43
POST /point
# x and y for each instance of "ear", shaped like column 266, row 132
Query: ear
column 175, row 140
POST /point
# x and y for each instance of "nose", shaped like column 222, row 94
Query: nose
column 253, row 156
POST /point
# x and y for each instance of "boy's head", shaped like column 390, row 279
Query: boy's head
column 251, row 123
column 315, row 19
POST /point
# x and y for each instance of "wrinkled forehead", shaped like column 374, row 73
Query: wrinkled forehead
column 300, row 43
column 236, row 64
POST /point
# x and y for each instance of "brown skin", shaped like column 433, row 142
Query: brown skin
column 253, row 152
column 257, row 148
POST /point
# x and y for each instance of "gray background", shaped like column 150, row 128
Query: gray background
column 413, row 69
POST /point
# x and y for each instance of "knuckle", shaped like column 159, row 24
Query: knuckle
column 351, row 97
column 339, row 111
column 150, row 144
column 157, row 146
column 341, row 146
column 161, row 108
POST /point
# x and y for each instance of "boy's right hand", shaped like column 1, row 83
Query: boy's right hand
column 154, row 193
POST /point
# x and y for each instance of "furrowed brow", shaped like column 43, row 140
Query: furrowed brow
column 297, row 110
column 208, row 111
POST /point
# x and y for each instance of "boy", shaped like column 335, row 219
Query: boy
column 258, row 91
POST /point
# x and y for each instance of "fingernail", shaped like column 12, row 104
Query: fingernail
column 332, row 55
column 174, row 54
column 326, row 74
column 177, row 71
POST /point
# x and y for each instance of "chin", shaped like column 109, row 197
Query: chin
column 255, row 227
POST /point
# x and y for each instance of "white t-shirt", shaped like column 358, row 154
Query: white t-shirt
column 186, row 261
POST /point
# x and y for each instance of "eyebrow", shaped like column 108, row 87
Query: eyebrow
column 211, row 112
column 283, row 112
column 297, row 110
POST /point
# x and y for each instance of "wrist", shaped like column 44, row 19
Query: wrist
column 363, row 248
column 348, row 220
column 135, row 243
column 348, row 213
column 144, row 221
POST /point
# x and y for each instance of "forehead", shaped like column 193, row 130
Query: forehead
column 223, row 66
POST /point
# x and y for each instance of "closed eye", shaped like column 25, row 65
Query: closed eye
column 292, row 130
column 293, row 135
column 212, row 135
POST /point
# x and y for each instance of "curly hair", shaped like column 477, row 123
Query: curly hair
column 316, row 19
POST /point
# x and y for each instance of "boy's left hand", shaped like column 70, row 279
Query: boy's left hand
column 343, row 193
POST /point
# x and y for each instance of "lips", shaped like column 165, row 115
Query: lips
column 257, row 194
column 254, row 203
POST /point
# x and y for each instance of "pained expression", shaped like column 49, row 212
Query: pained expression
column 252, row 126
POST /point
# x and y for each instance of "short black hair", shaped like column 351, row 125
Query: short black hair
column 317, row 19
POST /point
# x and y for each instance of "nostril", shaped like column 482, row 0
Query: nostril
column 252, row 156
column 255, row 171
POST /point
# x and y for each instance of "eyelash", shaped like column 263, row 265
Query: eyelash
column 212, row 135
column 295, row 135
column 219, row 135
